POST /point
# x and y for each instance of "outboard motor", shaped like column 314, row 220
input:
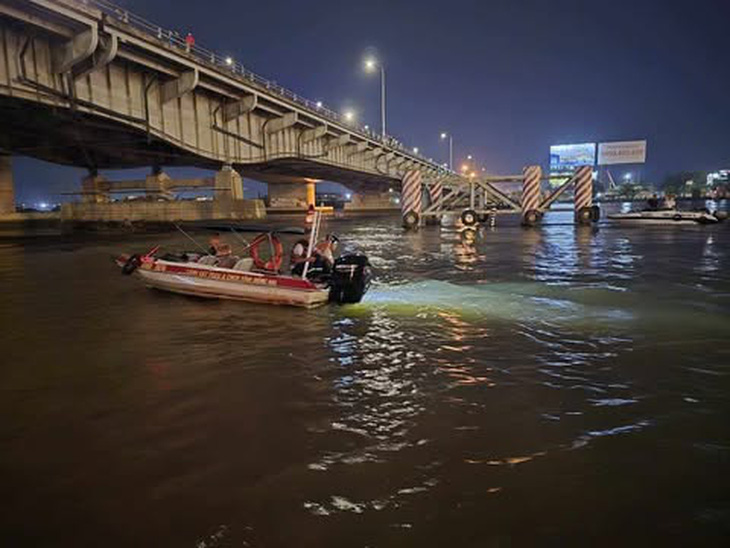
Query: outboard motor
column 131, row 264
column 350, row 279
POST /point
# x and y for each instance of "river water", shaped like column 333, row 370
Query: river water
column 555, row 386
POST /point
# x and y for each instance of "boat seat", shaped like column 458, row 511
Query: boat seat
column 208, row 260
column 244, row 265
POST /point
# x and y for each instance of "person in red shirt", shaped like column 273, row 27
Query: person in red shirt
column 189, row 41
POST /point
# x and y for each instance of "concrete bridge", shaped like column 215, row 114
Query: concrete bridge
column 86, row 83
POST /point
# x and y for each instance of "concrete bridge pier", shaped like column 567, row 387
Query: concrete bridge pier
column 157, row 183
column 7, row 188
column 311, row 194
column 228, row 184
column 95, row 189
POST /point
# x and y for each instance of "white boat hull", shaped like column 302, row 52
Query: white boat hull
column 222, row 283
column 670, row 217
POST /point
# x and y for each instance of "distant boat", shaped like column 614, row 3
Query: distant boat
column 667, row 217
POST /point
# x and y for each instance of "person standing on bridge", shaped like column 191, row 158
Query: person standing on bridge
column 189, row 42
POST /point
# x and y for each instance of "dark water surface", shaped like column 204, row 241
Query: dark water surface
column 557, row 386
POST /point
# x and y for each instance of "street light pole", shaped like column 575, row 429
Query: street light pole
column 382, row 100
column 371, row 63
column 445, row 135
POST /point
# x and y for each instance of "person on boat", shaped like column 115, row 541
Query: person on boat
column 326, row 250
column 322, row 259
column 217, row 247
column 214, row 243
column 309, row 219
column 298, row 257
column 221, row 252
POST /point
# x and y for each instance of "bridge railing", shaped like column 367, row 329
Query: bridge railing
column 175, row 39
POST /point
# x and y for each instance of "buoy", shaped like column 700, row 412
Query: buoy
column 410, row 219
column 585, row 215
column 469, row 217
column 531, row 218
column 273, row 264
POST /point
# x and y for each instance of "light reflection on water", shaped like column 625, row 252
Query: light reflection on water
column 550, row 382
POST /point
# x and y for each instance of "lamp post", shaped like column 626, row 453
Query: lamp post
column 372, row 64
column 448, row 136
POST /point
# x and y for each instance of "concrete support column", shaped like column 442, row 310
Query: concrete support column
column 95, row 189
column 228, row 184
column 288, row 195
column 7, row 188
column 157, row 183
column 311, row 194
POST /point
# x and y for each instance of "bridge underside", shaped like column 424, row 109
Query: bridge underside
column 75, row 138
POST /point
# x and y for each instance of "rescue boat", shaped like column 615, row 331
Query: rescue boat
column 346, row 284
column 251, row 278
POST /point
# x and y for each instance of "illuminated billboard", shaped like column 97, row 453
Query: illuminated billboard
column 568, row 157
column 623, row 152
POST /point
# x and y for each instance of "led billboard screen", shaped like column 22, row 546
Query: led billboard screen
column 568, row 157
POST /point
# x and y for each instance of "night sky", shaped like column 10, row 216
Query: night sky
column 507, row 78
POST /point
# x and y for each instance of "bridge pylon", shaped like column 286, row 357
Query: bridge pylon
column 228, row 184
column 95, row 189
column 7, row 188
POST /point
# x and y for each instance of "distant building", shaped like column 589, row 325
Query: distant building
column 721, row 177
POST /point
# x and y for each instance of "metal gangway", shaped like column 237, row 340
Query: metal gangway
column 480, row 199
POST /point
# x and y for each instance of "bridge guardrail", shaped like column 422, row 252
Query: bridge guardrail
column 175, row 39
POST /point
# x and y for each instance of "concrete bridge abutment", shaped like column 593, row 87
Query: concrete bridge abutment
column 7, row 186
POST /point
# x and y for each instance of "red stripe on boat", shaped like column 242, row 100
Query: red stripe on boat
column 227, row 275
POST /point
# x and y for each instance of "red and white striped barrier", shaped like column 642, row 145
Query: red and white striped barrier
column 583, row 187
column 411, row 199
column 583, row 194
column 435, row 191
column 530, row 202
